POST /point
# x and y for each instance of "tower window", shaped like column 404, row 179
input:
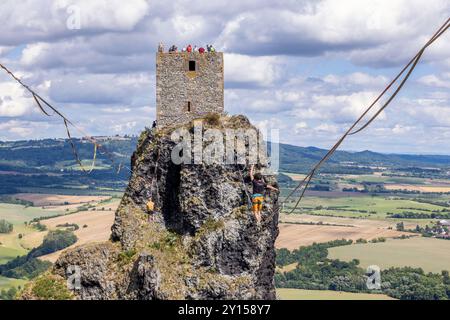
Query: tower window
column 189, row 106
column 191, row 65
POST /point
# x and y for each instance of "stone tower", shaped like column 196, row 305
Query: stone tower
column 188, row 85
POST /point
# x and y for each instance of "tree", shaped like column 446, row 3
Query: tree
column 8, row 294
column 5, row 226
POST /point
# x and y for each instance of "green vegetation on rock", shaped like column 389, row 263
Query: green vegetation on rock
column 48, row 287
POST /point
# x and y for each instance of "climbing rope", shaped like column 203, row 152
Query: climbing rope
column 40, row 101
column 119, row 168
column 303, row 185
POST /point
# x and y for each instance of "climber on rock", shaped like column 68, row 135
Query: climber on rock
column 259, row 188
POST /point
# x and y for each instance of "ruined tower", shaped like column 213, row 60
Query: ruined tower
column 188, row 85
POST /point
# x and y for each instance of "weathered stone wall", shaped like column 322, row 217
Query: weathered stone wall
column 176, row 86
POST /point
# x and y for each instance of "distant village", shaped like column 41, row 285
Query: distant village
column 442, row 229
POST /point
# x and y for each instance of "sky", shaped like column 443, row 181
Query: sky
column 306, row 68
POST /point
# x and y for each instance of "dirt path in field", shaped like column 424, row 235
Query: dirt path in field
column 293, row 235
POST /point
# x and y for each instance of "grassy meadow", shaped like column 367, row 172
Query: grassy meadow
column 301, row 294
column 93, row 214
column 432, row 255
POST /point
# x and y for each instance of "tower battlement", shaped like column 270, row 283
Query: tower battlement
column 188, row 85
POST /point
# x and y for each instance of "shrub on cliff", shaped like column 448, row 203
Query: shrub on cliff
column 47, row 287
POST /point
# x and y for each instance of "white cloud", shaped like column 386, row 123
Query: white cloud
column 325, row 127
column 185, row 26
column 100, row 89
column 5, row 49
column 400, row 129
column 124, row 127
column 243, row 69
column 116, row 110
column 344, row 108
column 33, row 52
column 356, row 79
column 18, row 129
column 374, row 32
column 300, row 127
column 13, row 100
column 293, row 65
column 435, row 81
column 46, row 20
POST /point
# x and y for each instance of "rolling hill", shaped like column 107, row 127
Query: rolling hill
column 51, row 163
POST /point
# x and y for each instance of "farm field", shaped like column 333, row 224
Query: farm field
column 377, row 177
column 432, row 255
column 6, row 283
column 71, row 190
column 343, row 221
column 369, row 207
column 8, row 253
column 287, row 268
column 294, row 176
column 98, row 228
column 11, row 245
column 420, row 188
column 40, row 200
column 300, row 294
column 98, row 222
column 18, row 214
column 293, row 235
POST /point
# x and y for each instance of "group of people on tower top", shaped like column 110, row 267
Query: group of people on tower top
column 189, row 48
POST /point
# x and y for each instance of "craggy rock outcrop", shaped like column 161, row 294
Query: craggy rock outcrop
column 201, row 242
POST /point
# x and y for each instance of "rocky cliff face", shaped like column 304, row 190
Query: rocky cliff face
column 201, row 241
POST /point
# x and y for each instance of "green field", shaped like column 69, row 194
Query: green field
column 381, row 179
column 18, row 214
column 73, row 190
column 6, row 283
column 300, row 294
column 432, row 255
column 375, row 207
column 7, row 253
column 11, row 246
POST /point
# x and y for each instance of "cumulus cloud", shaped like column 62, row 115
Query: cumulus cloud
column 242, row 69
column 375, row 32
column 299, row 127
column 436, row 81
column 48, row 20
column 356, row 79
column 100, row 89
column 19, row 129
column 14, row 101
column 401, row 129
column 306, row 67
